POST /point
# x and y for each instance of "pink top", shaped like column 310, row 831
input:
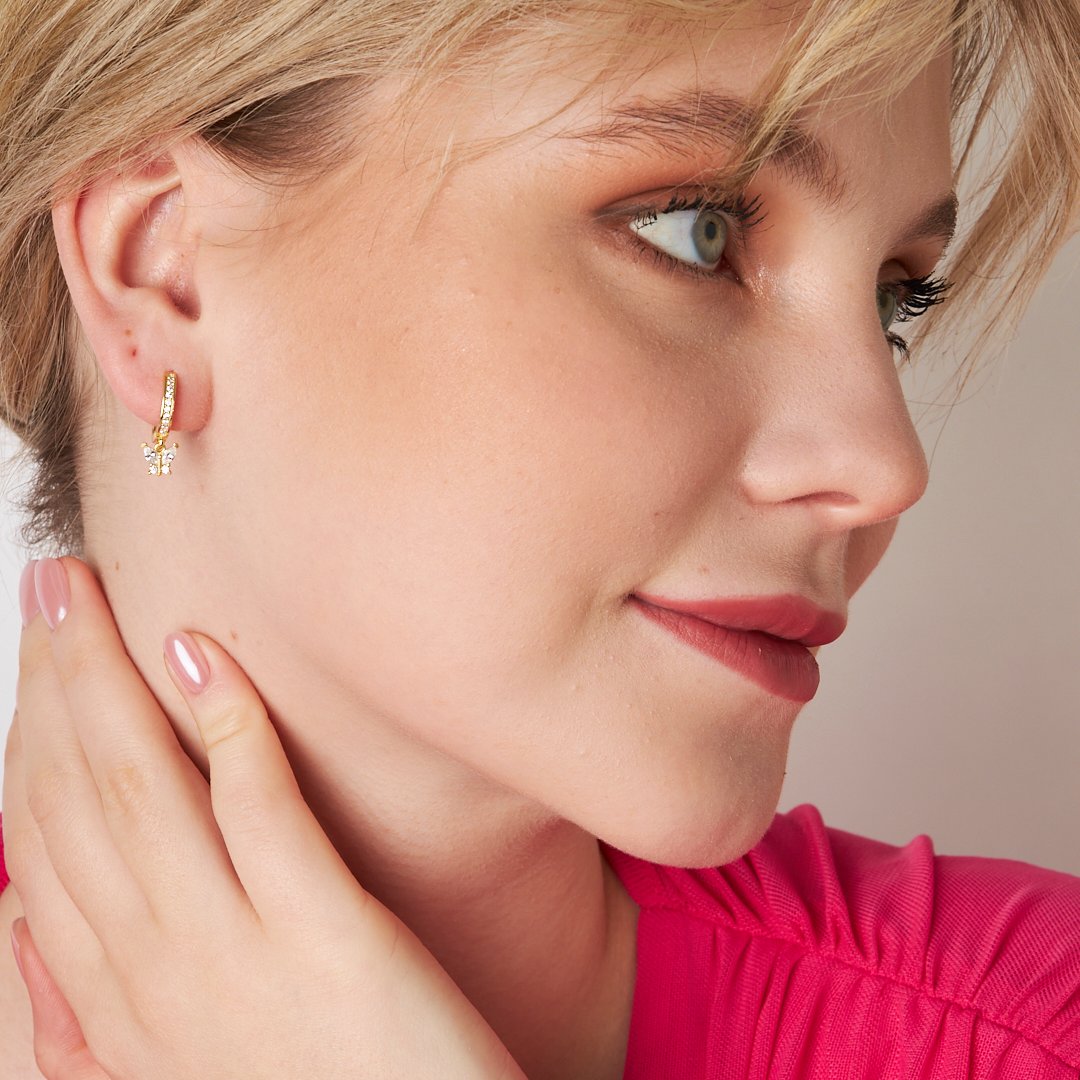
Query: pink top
column 822, row 955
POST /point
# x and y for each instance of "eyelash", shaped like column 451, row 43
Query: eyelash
column 915, row 296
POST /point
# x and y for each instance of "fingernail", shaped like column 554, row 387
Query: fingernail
column 28, row 594
column 17, row 951
column 187, row 661
column 53, row 594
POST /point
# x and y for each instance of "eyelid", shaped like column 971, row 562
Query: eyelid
column 745, row 213
column 915, row 264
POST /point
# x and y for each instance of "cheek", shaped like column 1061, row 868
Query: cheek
column 865, row 551
column 492, row 446
column 469, row 479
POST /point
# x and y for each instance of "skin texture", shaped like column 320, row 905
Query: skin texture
column 428, row 447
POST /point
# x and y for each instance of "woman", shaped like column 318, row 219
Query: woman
column 499, row 338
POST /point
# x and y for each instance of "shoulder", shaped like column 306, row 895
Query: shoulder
column 870, row 949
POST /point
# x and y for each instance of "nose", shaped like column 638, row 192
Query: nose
column 834, row 436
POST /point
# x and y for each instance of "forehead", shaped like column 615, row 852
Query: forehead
column 697, row 87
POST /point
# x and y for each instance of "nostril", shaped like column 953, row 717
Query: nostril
column 830, row 498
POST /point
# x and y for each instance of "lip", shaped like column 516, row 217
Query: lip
column 766, row 639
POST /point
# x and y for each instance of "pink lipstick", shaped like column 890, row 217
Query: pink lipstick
column 765, row 639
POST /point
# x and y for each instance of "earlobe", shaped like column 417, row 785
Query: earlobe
column 127, row 245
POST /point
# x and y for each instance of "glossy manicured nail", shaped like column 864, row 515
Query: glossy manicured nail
column 187, row 661
column 53, row 593
column 17, row 951
column 28, row 604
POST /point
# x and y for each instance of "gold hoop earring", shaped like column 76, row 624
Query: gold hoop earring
column 159, row 456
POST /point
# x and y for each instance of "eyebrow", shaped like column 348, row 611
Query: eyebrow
column 939, row 221
column 696, row 121
column 707, row 121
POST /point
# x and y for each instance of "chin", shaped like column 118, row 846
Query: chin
column 717, row 826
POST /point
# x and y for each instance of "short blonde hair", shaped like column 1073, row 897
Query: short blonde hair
column 273, row 88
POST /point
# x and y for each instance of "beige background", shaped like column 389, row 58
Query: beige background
column 952, row 704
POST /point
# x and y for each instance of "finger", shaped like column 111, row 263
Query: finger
column 59, row 1046
column 63, row 933
column 154, row 799
column 58, row 793
column 291, row 872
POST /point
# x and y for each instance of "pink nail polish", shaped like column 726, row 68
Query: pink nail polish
column 18, row 952
column 53, row 592
column 187, row 661
column 28, row 603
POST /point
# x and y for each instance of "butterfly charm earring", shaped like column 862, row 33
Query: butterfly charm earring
column 159, row 456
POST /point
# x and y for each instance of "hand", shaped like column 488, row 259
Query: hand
column 182, row 929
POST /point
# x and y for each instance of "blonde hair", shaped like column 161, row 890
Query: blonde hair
column 273, row 88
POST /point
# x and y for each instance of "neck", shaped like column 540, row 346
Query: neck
column 517, row 904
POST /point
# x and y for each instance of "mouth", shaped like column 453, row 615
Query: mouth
column 767, row 640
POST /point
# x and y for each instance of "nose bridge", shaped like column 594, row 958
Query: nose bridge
column 836, row 434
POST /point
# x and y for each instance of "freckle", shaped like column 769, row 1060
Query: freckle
column 116, row 566
column 127, row 333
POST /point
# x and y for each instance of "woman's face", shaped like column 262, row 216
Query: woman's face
column 487, row 409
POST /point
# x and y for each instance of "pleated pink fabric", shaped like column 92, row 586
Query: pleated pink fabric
column 822, row 955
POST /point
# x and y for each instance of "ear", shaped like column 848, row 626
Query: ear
column 128, row 246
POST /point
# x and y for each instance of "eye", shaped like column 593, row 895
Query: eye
column 697, row 237
column 888, row 305
column 902, row 301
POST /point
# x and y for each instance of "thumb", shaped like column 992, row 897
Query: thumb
column 273, row 838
